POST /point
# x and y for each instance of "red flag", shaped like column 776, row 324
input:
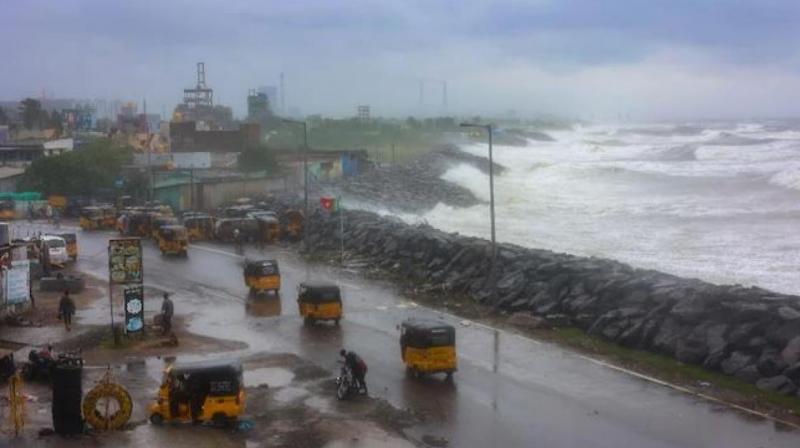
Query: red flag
column 327, row 202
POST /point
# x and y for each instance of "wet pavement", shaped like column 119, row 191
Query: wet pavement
column 510, row 391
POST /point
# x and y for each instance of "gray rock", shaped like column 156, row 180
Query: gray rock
column 778, row 383
column 793, row 373
column 770, row 363
column 736, row 362
column 788, row 313
column 791, row 353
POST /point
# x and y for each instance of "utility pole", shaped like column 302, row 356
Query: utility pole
column 488, row 128
column 305, row 160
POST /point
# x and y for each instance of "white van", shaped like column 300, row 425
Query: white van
column 57, row 248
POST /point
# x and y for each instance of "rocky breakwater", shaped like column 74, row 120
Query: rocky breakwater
column 416, row 186
column 751, row 333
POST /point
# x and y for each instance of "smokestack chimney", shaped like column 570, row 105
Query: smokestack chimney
column 421, row 92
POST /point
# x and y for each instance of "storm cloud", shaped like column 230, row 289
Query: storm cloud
column 675, row 59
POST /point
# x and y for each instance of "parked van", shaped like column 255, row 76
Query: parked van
column 56, row 248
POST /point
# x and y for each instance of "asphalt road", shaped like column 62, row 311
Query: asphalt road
column 510, row 391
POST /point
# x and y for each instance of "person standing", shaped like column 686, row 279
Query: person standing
column 66, row 309
column 167, row 310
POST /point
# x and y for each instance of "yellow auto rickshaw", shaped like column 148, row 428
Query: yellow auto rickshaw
column 319, row 301
column 172, row 240
column 270, row 229
column 157, row 222
column 208, row 391
column 200, row 226
column 428, row 346
column 109, row 220
column 294, row 224
column 72, row 245
column 7, row 211
column 91, row 218
column 262, row 276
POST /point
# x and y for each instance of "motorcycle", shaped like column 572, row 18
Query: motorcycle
column 345, row 384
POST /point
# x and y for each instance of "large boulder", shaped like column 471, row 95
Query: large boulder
column 793, row 373
column 778, row 383
column 736, row 362
column 791, row 353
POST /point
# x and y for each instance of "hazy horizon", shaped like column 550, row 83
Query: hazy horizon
column 581, row 59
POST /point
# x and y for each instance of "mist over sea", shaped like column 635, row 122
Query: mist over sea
column 719, row 202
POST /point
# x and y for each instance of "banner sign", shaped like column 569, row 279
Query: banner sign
column 18, row 282
column 134, row 309
column 125, row 260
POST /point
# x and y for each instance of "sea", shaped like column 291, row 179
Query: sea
column 714, row 201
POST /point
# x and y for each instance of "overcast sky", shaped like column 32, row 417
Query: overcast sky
column 650, row 59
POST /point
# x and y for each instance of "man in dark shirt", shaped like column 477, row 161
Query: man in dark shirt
column 167, row 310
column 358, row 367
column 66, row 308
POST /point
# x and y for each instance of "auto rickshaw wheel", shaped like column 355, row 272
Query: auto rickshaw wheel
column 220, row 420
column 449, row 377
column 336, row 321
column 157, row 419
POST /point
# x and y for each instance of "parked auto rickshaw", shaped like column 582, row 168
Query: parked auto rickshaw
column 91, row 218
column 319, row 301
column 109, row 220
column 248, row 228
column 203, row 391
column 137, row 223
column 199, row 226
column 262, row 276
column 428, row 346
column 158, row 222
column 295, row 222
column 270, row 229
column 72, row 245
column 172, row 240
column 7, row 211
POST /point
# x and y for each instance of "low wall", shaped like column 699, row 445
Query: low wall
column 751, row 333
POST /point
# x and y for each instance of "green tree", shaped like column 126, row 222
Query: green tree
column 85, row 172
column 257, row 158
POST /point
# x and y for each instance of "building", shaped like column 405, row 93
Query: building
column 363, row 114
column 258, row 107
column 198, row 105
column 185, row 137
column 10, row 177
column 209, row 189
column 22, row 154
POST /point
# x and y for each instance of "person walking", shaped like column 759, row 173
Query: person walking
column 66, row 309
column 167, row 310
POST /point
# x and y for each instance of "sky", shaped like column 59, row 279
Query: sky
column 587, row 59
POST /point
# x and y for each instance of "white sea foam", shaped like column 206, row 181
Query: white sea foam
column 680, row 203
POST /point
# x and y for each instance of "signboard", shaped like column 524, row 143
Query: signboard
column 134, row 309
column 17, row 285
column 125, row 260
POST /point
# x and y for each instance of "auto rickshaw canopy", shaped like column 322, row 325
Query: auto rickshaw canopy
column 218, row 377
column 261, row 267
column 172, row 232
column 91, row 212
column 319, row 293
column 425, row 333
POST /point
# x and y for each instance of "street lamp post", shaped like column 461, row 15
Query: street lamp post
column 305, row 160
column 488, row 128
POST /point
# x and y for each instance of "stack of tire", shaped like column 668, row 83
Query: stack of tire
column 67, row 395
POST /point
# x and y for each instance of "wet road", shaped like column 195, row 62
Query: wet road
column 510, row 391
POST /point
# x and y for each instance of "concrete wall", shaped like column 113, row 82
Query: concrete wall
column 211, row 195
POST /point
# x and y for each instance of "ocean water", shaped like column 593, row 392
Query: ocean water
column 719, row 202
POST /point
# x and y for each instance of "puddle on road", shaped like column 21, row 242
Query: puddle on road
column 371, row 442
column 289, row 394
column 322, row 404
column 271, row 376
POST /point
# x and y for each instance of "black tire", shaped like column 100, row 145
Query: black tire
column 336, row 322
column 157, row 419
column 307, row 321
column 449, row 377
column 221, row 420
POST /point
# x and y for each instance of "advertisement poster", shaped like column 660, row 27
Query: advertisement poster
column 125, row 260
column 134, row 309
column 18, row 282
